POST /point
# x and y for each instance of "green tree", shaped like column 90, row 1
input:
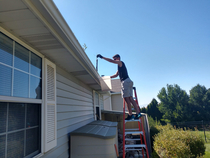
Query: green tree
column 200, row 103
column 143, row 110
column 174, row 104
column 153, row 111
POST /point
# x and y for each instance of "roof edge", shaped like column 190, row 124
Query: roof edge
column 52, row 9
column 56, row 16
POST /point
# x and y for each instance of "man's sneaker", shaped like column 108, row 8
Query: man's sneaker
column 130, row 117
column 138, row 116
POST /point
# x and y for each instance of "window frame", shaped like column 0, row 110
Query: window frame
column 30, row 100
column 95, row 105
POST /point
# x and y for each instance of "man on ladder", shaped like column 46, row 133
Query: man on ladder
column 126, row 85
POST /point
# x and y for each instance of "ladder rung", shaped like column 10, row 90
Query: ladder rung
column 134, row 129
column 134, row 132
column 128, row 139
column 135, row 146
column 132, row 149
column 133, row 120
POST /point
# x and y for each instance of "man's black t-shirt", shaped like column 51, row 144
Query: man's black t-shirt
column 123, row 72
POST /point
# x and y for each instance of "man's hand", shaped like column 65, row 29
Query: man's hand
column 99, row 56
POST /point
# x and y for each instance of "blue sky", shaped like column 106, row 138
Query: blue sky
column 161, row 41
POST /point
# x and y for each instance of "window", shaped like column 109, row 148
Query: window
column 20, row 70
column 20, row 130
column 27, row 128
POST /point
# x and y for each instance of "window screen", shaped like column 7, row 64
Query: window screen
column 20, row 130
column 3, row 116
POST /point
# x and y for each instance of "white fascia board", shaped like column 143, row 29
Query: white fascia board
column 58, row 18
column 61, row 23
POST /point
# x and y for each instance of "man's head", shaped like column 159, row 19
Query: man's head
column 116, row 57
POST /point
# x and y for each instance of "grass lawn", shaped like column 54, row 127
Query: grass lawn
column 207, row 152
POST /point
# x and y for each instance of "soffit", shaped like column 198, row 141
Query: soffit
column 18, row 18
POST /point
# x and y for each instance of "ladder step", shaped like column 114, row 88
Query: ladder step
column 129, row 139
column 135, row 146
column 134, row 132
column 133, row 120
column 132, row 129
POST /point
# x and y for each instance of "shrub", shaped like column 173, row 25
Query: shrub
column 153, row 129
column 178, row 143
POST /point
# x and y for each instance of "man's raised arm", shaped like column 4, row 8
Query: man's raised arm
column 109, row 60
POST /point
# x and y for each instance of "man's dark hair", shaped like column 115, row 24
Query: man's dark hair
column 116, row 56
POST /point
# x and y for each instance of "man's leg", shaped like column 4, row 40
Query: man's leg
column 130, row 115
column 134, row 105
column 128, row 103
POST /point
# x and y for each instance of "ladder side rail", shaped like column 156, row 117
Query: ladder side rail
column 123, row 128
column 145, row 141
column 142, row 150
column 136, row 100
column 134, row 88
column 141, row 126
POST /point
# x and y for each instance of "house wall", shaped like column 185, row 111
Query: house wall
column 117, row 102
column 74, row 110
column 107, row 102
column 116, row 85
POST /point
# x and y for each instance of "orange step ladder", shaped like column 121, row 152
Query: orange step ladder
column 134, row 147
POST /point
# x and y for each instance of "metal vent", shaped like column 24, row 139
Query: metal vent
column 50, row 123
column 50, row 83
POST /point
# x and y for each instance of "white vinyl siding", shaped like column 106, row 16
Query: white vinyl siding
column 74, row 110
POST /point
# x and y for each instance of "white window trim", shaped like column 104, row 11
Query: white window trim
column 94, row 106
column 99, row 97
column 19, row 99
